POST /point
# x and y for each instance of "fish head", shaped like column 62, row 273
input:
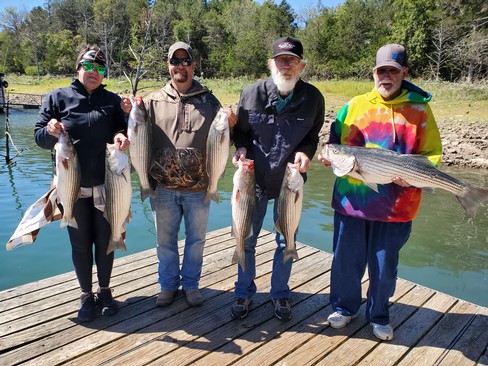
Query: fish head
column 342, row 161
column 116, row 160
column 294, row 179
column 221, row 121
column 64, row 147
column 138, row 111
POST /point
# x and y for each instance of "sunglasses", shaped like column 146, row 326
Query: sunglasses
column 392, row 71
column 89, row 66
column 180, row 61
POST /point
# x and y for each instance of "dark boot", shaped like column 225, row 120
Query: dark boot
column 87, row 308
column 107, row 302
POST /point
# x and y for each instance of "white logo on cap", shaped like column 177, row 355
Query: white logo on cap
column 286, row 46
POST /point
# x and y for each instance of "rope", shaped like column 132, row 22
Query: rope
column 19, row 152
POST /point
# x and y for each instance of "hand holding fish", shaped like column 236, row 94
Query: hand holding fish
column 121, row 140
column 54, row 127
column 126, row 104
column 302, row 159
column 240, row 154
column 232, row 117
column 401, row 182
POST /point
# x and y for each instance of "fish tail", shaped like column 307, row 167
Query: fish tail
column 116, row 244
column 238, row 257
column 472, row 198
column 147, row 192
column 212, row 196
column 290, row 253
column 68, row 222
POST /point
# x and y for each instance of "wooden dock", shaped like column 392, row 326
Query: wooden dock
column 23, row 100
column 38, row 320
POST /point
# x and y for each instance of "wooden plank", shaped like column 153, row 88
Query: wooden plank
column 118, row 329
column 472, row 344
column 187, row 341
column 445, row 332
column 63, row 337
column 409, row 333
column 60, row 304
column 191, row 316
column 363, row 342
column 329, row 339
column 52, row 282
column 317, row 299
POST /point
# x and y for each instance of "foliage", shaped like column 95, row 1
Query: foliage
column 445, row 39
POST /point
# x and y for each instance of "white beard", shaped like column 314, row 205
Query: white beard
column 284, row 86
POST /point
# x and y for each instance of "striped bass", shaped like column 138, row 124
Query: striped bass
column 243, row 201
column 218, row 147
column 139, row 134
column 118, row 194
column 289, row 208
column 68, row 177
column 380, row 166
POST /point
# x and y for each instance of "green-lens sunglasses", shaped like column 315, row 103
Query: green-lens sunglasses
column 89, row 66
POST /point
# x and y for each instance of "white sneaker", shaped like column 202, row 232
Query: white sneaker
column 383, row 332
column 337, row 320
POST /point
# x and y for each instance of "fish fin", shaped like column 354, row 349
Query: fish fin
column 277, row 228
column 345, row 168
column 290, row 253
column 373, row 186
column 472, row 197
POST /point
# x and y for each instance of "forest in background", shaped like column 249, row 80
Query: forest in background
column 447, row 40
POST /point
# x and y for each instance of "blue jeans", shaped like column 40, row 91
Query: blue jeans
column 245, row 286
column 168, row 208
column 359, row 243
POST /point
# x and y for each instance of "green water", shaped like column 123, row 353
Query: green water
column 446, row 251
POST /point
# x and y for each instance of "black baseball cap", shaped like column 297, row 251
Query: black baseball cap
column 288, row 46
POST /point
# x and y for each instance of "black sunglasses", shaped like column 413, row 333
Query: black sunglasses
column 180, row 61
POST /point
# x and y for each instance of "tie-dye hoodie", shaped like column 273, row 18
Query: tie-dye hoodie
column 405, row 125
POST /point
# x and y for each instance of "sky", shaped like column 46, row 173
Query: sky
column 297, row 5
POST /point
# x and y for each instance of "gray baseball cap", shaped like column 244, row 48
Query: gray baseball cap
column 391, row 55
column 180, row 46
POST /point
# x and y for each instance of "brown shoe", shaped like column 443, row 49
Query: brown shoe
column 166, row 297
column 193, row 297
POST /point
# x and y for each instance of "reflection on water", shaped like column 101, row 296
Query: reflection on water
column 446, row 251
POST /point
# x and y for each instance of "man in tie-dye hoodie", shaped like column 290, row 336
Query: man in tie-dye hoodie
column 371, row 227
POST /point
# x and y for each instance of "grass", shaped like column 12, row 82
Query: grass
column 461, row 102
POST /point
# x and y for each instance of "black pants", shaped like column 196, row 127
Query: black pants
column 93, row 228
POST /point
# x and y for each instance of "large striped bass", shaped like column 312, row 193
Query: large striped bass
column 68, row 177
column 289, row 208
column 380, row 166
column 118, row 194
column 243, row 201
column 218, row 146
column 139, row 134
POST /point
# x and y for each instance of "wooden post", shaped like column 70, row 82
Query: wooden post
column 3, row 85
column 7, row 135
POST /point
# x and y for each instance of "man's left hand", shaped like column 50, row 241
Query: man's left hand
column 302, row 159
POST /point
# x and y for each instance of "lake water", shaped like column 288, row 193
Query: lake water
column 446, row 251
